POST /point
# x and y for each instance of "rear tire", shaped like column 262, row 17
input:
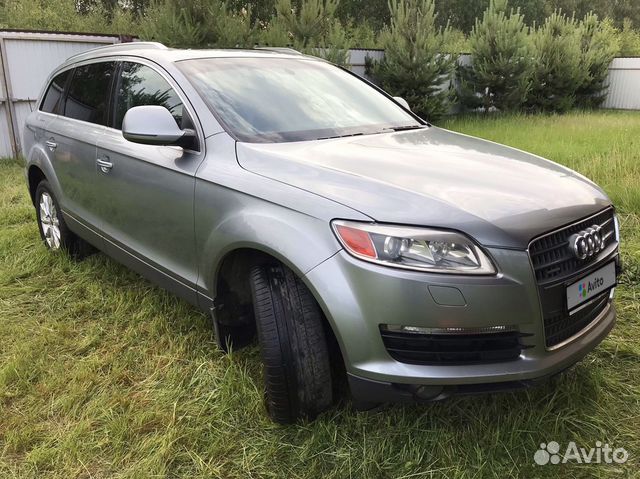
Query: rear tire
column 297, row 370
column 54, row 232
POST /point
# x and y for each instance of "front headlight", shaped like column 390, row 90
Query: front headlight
column 420, row 249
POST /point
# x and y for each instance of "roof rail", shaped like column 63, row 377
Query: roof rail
column 118, row 47
column 290, row 51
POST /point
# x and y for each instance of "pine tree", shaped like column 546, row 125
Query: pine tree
column 414, row 66
column 599, row 46
column 314, row 30
column 498, row 76
column 310, row 23
column 205, row 23
column 557, row 69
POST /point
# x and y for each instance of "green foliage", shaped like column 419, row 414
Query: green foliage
column 374, row 13
column 273, row 34
column 361, row 34
column 172, row 25
column 557, row 70
column 456, row 42
column 599, row 45
column 460, row 14
column 233, row 28
column 334, row 47
column 617, row 10
column 203, row 23
column 414, row 66
column 313, row 29
column 64, row 15
column 629, row 39
column 498, row 76
column 310, row 24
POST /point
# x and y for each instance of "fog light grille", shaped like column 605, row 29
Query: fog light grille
column 452, row 349
column 560, row 326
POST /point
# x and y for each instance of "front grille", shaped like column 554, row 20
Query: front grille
column 551, row 257
column 556, row 267
column 452, row 349
column 560, row 326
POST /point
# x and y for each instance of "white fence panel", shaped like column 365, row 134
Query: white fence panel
column 27, row 60
column 5, row 129
column 358, row 58
column 624, row 84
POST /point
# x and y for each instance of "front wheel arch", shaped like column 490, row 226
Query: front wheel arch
column 232, row 275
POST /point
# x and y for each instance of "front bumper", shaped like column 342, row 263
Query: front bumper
column 358, row 297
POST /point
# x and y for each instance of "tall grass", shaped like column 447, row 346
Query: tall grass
column 104, row 375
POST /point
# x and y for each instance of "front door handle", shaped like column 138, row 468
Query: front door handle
column 104, row 164
column 52, row 145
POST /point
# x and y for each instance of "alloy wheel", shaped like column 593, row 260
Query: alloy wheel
column 49, row 221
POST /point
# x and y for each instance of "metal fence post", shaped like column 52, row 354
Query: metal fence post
column 8, row 98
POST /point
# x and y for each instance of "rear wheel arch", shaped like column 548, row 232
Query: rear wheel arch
column 35, row 175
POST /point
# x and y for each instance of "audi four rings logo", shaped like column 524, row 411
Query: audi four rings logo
column 587, row 242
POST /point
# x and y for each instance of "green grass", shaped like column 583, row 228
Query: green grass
column 104, row 375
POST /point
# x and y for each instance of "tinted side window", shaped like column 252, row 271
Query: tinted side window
column 54, row 93
column 88, row 95
column 140, row 85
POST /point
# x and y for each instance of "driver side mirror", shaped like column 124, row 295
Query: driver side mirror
column 153, row 125
column 402, row 101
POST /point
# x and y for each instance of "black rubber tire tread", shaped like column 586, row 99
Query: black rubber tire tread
column 69, row 241
column 297, row 371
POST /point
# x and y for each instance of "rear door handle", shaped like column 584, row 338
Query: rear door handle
column 52, row 145
column 104, row 164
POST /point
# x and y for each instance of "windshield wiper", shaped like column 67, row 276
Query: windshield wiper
column 339, row 136
column 390, row 128
column 404, row 128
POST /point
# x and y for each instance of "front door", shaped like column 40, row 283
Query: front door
column 146, row 191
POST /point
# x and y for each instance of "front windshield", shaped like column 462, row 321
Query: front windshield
column 281, row 99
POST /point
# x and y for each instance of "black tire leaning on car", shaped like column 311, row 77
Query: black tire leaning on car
column 69, row 241
column 297, row 370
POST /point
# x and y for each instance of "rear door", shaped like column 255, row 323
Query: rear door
column 36, row 131
column 148, row 191
column 38, row 123
column 73, row 138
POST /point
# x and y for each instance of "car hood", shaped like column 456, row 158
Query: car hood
column 433, row 177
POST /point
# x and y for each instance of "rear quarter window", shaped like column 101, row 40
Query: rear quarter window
column 53, row 96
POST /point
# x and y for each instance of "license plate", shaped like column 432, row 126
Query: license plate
column 591, row 285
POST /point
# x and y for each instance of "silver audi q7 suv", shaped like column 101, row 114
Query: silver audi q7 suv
column 296, row 202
